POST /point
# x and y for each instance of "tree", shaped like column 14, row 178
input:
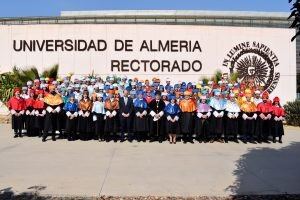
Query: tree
column 19, row 77
column 295, row 13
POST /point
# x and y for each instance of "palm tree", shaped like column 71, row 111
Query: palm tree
column 295, row 13
column 19, row 77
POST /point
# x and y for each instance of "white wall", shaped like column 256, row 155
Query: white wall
column 216, row 42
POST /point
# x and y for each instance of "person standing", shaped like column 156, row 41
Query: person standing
column 217, row 104
column 188, row 108
column 111, row 111
column 29, row 112
column 98, row 111
column 16, row 105
column 264, row 111
column 249, row 115
column 71, row 110
column 140, row 121
column 156, row 107
column 126, row 110
column 85, row 117
column 172, row 112
column 202, row 120
column 39, row 113
column 53, row 103
column 232, row 112
column 277, row 117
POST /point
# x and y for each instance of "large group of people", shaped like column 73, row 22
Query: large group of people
column 121, row 108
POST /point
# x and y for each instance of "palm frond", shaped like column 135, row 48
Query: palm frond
column 51, row 72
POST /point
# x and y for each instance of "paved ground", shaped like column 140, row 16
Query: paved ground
column 94, row 168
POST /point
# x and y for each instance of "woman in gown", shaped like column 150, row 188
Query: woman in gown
column 277, row 116
column 202, row 120
column 98, row 111
column 172, row 112
column 85, row 117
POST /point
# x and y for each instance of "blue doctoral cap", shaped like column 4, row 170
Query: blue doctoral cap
column 181, row 90
column 195, row 90
column 171, row 97
column 204, row 91
column 139, row 92
column 217, row 92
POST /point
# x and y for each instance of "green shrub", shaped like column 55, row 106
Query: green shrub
column 292, row 110
column 7, row 84
column 18, row 78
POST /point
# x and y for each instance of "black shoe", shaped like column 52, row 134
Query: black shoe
column 220, row 140
column 20, row 135
column 280, row 141
column 274, row 140
column 53, row 139
column 44, row 140
column 152, row 140
column 266, row 141
column 259, row 141
column 16, row 135
column 252, row 142
column 236, row 140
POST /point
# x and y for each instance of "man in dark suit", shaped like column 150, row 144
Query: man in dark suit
column 126, row 109
column 157, row 107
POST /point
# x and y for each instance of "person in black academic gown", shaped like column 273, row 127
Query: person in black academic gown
column 156, row 107
column 277, row 118
column 202, row 120
column 40, row 113
column 140, row 123
column 16, row 105
column 172, row 112
column 29, row 114
column 217, row 104
column 111, row 122
column 126, row 110
column 53, row 104
column 71, row 110
column 232, row 112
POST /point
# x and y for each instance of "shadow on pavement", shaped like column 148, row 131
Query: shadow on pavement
column 8, row 194
column 266, row 171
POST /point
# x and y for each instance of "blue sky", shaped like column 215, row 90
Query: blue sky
column 18, row 8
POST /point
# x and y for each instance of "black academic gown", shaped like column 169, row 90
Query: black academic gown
column 248, row 126
column 157, row 128
column 140, row 125
column 51, row 122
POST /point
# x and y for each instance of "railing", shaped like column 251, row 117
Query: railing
column 185, row 20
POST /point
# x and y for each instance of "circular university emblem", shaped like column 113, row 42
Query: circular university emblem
column 254, row 61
